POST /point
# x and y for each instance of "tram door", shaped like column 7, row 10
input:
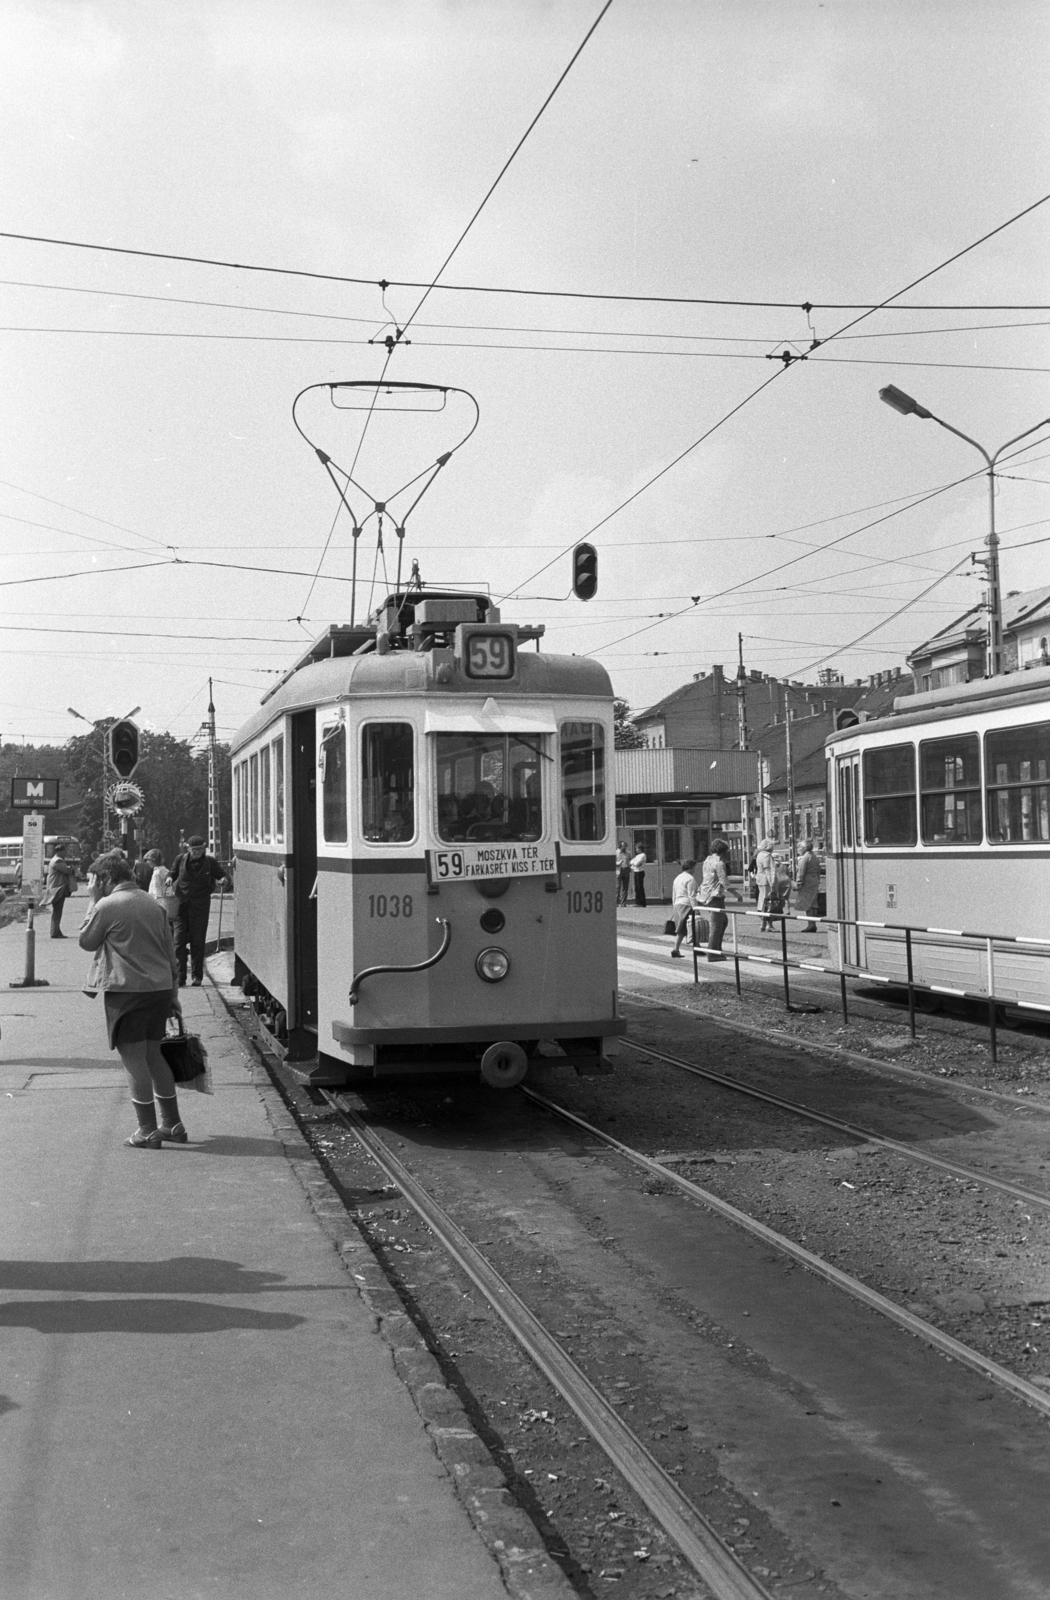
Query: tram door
column 847, row 866
column 304, row 881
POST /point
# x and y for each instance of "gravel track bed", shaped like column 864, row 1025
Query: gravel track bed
column 973, row 1262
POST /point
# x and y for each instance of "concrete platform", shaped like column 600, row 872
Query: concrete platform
column 194, row 1398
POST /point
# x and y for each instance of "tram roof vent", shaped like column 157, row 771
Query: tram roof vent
column 445, row 613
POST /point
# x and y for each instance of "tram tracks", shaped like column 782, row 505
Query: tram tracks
column 850, row 1129
column 683, row 1522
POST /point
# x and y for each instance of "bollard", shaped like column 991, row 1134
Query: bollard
column 30, row 981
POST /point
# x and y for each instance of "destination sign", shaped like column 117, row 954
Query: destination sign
column 34, row 794
column 469, row 861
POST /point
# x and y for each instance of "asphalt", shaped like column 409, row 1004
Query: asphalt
column 195, row 1399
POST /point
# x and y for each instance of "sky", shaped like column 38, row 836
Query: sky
column 162, row 521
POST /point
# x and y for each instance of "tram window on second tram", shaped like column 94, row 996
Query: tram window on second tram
column 1017, row 768
column 950, row 774
column 387, row 782
column 889, row 795
column 583, row 780
column 488, row 786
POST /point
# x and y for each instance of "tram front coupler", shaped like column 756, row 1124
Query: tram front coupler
column 419, row 966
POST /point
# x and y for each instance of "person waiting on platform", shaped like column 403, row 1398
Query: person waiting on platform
column 61, row 883
column 135, row 956
column 807, row 885
column 713, row 889
column 194, row 875
column 683, row 899
column 144, row 868
column 638, row 863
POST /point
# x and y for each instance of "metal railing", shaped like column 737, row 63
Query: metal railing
column 844, row 969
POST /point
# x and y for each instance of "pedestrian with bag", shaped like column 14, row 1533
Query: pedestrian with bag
column 683, row 901
column 807, row 885
column 135, row 968
column 143, row 868
column 638, row 877
column 194, row 875
column 61, row 882
column 714, row 887
column 765, row 878
column 161, row 887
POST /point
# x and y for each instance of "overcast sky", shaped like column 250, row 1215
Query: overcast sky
column 784, row 152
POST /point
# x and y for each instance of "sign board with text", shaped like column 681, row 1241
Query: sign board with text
column 467, row 862
column 32, row 852
column 34, row 794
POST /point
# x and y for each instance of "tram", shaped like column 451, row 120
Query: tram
column 424, row 849
column 939, row 821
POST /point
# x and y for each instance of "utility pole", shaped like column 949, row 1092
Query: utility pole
column 214, row 842
column 743, row 736
column 790, row 783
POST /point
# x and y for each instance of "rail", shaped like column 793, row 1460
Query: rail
column 843, row 969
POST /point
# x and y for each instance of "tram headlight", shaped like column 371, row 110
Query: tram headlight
column 492, row 964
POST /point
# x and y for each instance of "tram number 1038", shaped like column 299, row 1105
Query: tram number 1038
column 390, row 905
column 582, row 901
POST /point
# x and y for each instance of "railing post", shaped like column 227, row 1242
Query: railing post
column 784, row 955
column 30, row 981
column 692, row 944
column 911, row 982
column 736, row 953
column 992, row 1033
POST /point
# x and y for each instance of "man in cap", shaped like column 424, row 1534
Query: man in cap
column 193, row 877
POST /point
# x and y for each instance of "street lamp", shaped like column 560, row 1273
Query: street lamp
column 993, row 661
column 81, row 718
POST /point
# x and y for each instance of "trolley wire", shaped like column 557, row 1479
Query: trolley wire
column 507, row 289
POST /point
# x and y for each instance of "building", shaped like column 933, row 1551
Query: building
column 667, row 804
column 957, row 653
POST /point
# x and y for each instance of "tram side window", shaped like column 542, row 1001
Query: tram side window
column 333, row 783
column 488, row 786
column 1017, row 777
column 950, row 773
column 237, row 829
column 889, row 795
column 264, row 793
column 583, row 780
column 278, row 789
column 388, row 808
column 253, row 784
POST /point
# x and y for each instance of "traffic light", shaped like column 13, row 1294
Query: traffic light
column 585, row 572
column 124, row 748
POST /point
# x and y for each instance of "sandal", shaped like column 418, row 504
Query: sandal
column 141, row 1140
column 176, row 1134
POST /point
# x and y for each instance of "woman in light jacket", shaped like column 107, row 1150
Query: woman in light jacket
column 132, row 938
column 765, row 877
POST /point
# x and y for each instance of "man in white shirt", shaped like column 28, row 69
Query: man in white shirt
column 683, row 899
column 638, row 877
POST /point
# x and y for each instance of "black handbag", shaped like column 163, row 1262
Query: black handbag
column 185, row 1055
column 670, row 926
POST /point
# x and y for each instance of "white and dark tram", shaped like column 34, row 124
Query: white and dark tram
column 423, row 838
column 940, row 840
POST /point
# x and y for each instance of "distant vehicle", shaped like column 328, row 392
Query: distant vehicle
column 11, row 856
column 940, row 819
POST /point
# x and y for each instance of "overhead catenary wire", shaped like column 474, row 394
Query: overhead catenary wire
column 507, row 289
column 786, row 367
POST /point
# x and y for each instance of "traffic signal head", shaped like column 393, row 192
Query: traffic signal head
column 585, row 572
column 124, row 748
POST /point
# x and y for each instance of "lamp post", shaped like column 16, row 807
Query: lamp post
column 993, row 661
column 81, row 718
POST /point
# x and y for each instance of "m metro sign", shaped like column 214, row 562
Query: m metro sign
column 34, row 794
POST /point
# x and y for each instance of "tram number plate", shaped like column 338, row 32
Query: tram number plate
column 490, row 655
column 492, row 861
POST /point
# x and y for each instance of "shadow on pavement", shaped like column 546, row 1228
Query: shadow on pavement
column 139, row 1316
column 177, row 1275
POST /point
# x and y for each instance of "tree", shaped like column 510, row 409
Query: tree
column 625, row 735
column 173, row 777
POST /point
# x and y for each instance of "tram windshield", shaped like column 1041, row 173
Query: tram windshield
column 488, row 786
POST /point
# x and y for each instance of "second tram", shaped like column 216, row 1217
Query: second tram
column 940, row 823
